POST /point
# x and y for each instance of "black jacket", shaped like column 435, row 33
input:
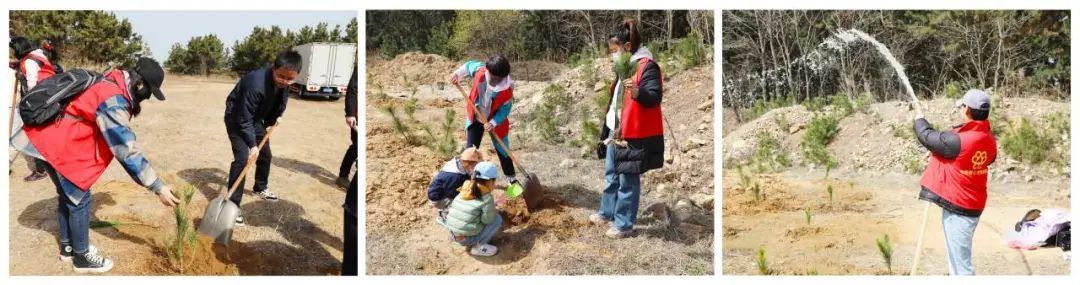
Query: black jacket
column 255, row 102
column 350, row 97
column 644, row 154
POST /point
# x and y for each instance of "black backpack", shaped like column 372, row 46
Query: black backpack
column 45, row 102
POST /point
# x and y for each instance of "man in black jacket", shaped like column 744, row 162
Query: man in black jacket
column 348, row 262
column 350, row 119
column 257, row 102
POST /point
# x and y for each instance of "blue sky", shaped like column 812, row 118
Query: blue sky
column 160, row 29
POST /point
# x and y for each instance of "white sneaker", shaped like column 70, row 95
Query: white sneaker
column 597, row 219
column 484, row 250
column 266, row 195
column 617, row 234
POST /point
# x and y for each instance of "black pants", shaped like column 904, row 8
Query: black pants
column 240, row 156
column 474, row 135
column 349, row 159
column 348, row 262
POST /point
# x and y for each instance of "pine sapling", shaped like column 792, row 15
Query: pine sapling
column 183, row 240
column 762, row 262
column 757, row 193
column 830, row 190
column 623, row 67
column 885, row 247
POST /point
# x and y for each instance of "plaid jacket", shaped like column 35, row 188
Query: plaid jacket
column 113, row 118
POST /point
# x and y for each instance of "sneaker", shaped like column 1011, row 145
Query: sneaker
column 598, row 219
column 67, row 252
column 239, row 220
column 91, row 262
column 617, row 234
column 266, row 195
column 484, row 250
column 35, row 176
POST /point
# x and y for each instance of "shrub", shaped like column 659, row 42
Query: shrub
column 770, row 154
column 814, row 104
column 953, row 90
column 863, row 102
column 914, row 165
column 819, row 133
column 690, row 51
column 1026, row 144
column 809, row 212
column 842, row 104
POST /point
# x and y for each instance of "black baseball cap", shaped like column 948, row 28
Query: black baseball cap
column 152, row 75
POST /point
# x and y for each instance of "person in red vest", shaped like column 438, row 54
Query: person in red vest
column 34, row 65
column 94, row 128
column 955, row 178
column 493, row 95
column 633, row 133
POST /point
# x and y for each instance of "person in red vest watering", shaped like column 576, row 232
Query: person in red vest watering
column 633, row 134
column 33, row 65
column 79, row 134
column 492, row 93
column 955, row 178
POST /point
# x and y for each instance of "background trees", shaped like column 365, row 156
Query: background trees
column 943, row 52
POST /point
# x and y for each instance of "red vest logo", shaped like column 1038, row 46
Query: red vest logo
column 979, row 159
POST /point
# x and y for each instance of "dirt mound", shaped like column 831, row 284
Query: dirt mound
column 204, row 259
column 880, row 138
column 407, row 70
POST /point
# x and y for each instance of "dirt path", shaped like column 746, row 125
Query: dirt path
column 840, row 240
column 184, row 139
column 403, row 238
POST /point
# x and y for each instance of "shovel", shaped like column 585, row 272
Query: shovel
column 533, row 191
column 221, row 213
column 918, row 243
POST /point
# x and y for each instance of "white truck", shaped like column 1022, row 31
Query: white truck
column 326, row 71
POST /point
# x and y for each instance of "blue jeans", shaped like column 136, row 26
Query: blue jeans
column 959, row 231
column 486, row 234
column 622, row 193
column 74, row 219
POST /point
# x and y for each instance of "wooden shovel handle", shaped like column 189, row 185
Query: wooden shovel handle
column 14, row 102
column 492, row 132
column 247, row 166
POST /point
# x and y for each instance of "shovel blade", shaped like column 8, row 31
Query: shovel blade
column 219, row 219
column 534, row 191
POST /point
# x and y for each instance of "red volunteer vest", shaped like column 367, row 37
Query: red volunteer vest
column 962, row 181
column 637, row 120
column 500, row 98
column 46, row 69
column 74, row 145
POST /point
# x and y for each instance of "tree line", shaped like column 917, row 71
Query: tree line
column 99, row 37
column 766, row 54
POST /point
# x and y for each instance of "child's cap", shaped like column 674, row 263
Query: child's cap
column 486, row 170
